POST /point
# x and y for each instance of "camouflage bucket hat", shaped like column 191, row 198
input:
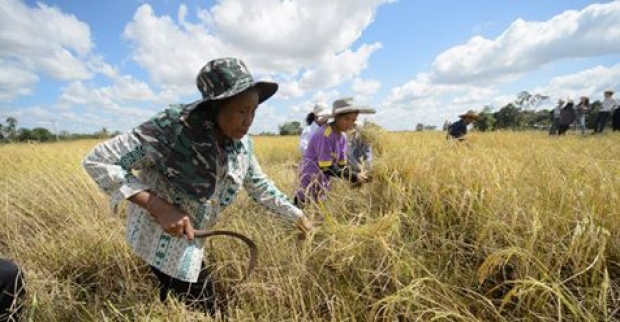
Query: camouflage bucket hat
column 226, row 77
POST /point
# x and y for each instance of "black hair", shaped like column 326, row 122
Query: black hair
column 311, row 117
column 586, row 102
column 208, row 110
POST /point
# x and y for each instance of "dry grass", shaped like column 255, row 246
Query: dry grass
column 506, row 227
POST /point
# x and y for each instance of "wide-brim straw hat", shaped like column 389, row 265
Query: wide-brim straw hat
column 469, row 114
column 346, row 105
column 321, row 110
column 609, row 91
column 226, row 77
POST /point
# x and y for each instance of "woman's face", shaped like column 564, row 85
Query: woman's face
column 237, row 114
column 344, row 122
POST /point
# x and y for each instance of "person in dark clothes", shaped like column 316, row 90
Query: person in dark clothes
column 609, row 104
column 615, row 120
column 11, row 291
column 458, row 129
column 567, row 117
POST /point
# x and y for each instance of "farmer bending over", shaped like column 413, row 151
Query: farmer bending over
column 193, row 161
column 325, row 156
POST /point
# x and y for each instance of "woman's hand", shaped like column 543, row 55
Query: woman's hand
column 362, row 178
column 175, row 223
column 172, row 219
column 305, row 226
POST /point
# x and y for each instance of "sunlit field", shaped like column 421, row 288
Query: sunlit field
column 509, row 226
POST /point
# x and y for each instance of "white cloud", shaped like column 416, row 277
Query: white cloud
column 524, row 46
column 591, row 82
column 171, row 54
column 281, row 41
column 363, row 89
column 292, row 33
column 45, row 39
column 277, row 39
column 338, row 68
column 290, row 89
column 15, row 81
column 40, row 41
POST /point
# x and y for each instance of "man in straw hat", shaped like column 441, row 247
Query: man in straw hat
column 193, row 160
column 608, row 106
column 325, row 156
column 458, row 129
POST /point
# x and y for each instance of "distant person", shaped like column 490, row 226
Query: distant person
column 326, row 157
column 582, row 110
column 555, row 117
column 615, row 119
column 567, row 117
column 12, row 291
column 359, row 151
column 609, row 104
column 315, row 119
column 458, row 129
column 184, row 166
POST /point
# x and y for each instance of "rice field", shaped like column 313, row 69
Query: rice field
column 509, row 226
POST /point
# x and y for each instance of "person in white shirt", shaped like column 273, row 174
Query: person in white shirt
column 555, row 121
column 609, row 104
column 315, row 119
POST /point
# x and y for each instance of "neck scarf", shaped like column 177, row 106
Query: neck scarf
column 183, row 147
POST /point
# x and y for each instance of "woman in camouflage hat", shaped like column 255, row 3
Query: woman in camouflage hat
column 193, row 159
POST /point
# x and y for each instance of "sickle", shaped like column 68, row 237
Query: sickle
column 251, row 245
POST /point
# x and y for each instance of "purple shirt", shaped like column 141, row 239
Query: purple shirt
column 325, row 149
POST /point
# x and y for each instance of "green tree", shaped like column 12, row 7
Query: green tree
column 290, row 128
column 508, row 117
column 525, row 100
column 11, row 126
column 39, row 134
column 42, row 134
column 25, row 135
column 103, row 134
column 486, row 121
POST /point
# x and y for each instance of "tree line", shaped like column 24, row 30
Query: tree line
column 519, row 115
column 516, row 115
column 9, row 132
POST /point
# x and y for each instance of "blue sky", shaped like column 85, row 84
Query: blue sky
column 71, row 66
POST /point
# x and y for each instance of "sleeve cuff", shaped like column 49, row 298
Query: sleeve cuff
column 125, row 191
column 297, row 213
column 131, row 188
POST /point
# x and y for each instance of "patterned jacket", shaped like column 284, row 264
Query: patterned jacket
column 121, row 169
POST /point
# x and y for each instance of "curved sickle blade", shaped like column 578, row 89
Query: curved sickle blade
column 251, row 245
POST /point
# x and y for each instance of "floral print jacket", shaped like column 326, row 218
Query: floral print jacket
column 121, row 169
